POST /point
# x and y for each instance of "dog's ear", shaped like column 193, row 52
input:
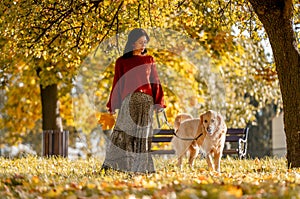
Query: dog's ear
column 201, row 119
column 200, row 126
column 221, row 121
column 219, row 118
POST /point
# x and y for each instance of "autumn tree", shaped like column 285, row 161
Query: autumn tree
column 46, row 41
column 47, row 45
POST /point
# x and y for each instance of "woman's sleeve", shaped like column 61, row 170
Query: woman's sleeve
column 114, row 101
column 157, row 91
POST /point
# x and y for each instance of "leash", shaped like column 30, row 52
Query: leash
column 181, row 138
column 188, row 139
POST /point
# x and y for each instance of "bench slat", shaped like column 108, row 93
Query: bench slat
column 230, row 151
column 233, row 138
column 161, row 139
column 163, row 131
column 235, row 131
column 161, row 152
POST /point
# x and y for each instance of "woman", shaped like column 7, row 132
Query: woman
column 136, row 92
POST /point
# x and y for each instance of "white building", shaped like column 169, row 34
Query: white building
column 278, row 137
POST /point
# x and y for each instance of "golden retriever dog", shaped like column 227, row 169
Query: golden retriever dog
column 206, row 133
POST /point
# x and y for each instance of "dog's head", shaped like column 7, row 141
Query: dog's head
column 211, row 121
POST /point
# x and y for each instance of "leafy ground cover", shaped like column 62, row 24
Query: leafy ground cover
column 36, row 177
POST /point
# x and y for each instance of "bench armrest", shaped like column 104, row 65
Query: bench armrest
column 242, row 147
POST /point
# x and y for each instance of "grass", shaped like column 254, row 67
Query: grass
column 36, row 177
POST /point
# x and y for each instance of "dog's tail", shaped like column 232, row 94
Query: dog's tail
column 180, row 118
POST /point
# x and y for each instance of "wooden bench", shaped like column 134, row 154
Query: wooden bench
column 235, row 144
column 164, row 137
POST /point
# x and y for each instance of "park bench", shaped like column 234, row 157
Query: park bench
column 235, row 144
column 161, row 141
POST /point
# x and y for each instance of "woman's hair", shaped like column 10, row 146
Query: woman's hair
column 133, row 36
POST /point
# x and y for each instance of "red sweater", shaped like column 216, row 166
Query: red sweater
column 135, row 74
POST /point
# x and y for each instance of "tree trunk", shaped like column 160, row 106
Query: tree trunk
column 276, row 17
column 55, row 140
column 50, row 109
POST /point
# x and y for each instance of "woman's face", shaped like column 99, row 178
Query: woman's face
column 140, row 45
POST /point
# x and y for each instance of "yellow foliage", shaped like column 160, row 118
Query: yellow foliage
column 233, row 191
column 59, row 51
column 63, row 178
column 35, row 180
column 54, row 193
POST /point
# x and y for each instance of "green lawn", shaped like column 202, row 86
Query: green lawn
column 36, row 177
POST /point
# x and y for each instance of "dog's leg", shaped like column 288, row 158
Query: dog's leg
column 217, row 161
column 209, row 161
column 194, row 151
column 179, row 163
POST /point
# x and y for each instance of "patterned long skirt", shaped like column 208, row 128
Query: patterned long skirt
column 128, row 148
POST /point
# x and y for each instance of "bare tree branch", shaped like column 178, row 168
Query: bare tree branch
column 110, row 26
column 58, row 20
